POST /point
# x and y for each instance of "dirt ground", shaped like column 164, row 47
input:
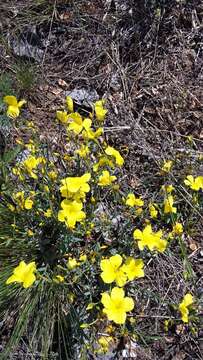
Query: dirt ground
column 146, row 59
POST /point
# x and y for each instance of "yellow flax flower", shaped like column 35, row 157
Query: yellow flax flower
column 83, row 151
column 153, row 210
column 14, row 106
column 99, row 109
column 103, row 161
column 133, row 201
column 112, row 270
column 139, row 211
column 104, row 343
column 167, row 165
column 72, row 186
column 89, row 134
column 48, row 213
column 153, row 240
column 167, row 188
column 24, row 204
column 71, row 213
column 177, row 228
column 83, row 258
column 62, row 116
column 30, row 164
column 59, row 279
column 183, row 307
column 69, row 104
column 115, row 153
column 116, row 305
column 52, row 175
column 106, row 179
column 133, row 268
column 23, row 273
column 30, row 232
column 194, row 183
column 168, row 205
column 76, row 124
column 72, row 263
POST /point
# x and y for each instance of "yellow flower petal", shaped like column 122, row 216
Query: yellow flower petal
column 69, row 104
column 115, row 153
column 10, row 100
column 128, row 304
column 13, row 111
column 28, row 204
column 116, row 260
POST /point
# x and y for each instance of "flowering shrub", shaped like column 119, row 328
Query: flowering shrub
column 61, row 253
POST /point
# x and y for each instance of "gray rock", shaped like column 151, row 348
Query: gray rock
column 83, row 96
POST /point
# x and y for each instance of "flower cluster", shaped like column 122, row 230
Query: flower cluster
column 149, row 238
column 80, row 229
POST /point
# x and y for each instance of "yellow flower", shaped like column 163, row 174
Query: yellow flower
column 23, row 274
column 167, row 188
column 14, row 105
column 103, row 161
column 100, row 111
column 31, row 147
column 89, row 134
column 112, row 270
column 177, row 228
column 72, row 263
column 23, row 203
column 168, row 205
column 69, row 103
column 30, row 232
column 133, row 268
column 72, row 186
column 153, row 211
column 139, row 211
column 52, row 175
column 194, row 183
column 183, row 307
column 83, row 258
column 11, row 207
column 83, row 151
column 62, row 116
column 77, row 124
column 150, row 239
column 167, row 165
column 48, row 213
column 133, row 201
column 115, row 153
column 28, row 204
column 71, row 213
column 106, row 179
column 116, row 305
column 104, row 342
column 31, row 164
column 46, row 188
column 59, row 279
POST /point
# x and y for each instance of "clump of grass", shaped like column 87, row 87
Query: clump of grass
column 6, row 85
column 78, row 250
column 25, row 75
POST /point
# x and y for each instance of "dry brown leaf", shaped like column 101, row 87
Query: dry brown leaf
column 55, row 91
column 193, row 247
column 62, row 83
column 67, row 15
